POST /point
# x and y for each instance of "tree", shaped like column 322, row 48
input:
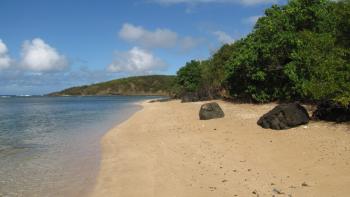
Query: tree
column 189, row 77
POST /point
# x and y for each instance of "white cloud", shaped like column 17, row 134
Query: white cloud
column 244, row 2
column 40, row 57
column 136, row 61
column 159, row 38
column 251, row 20
column 5, row 60
column 223, row 37
column 163, row 38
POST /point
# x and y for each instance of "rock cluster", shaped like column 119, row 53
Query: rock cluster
column 189, row 97
column 197, row 96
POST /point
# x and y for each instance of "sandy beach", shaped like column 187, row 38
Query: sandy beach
column 164, row 150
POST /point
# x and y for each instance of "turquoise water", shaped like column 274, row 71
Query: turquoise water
column 49, row 146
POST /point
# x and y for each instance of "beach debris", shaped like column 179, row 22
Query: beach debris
column 210, row 111
column 304, row 184
column 277, row 191
column 284, row 116
column 212, row 188
column 332, row 111
column 255, row 193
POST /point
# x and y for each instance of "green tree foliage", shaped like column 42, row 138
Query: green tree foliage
column 189, row 77
column 217, row 66
column 299, row 51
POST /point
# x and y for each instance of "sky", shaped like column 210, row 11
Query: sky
column 49, row 45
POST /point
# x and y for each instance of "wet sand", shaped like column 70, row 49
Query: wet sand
column 164, row 150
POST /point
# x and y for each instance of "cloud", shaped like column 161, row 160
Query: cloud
column 244, row 2
column 159, row 38
column 136, row 61
column 37, row 56
column 33, row 72
column 162, row 38
column 251, row 20
column 5, row 60
column 223, row 37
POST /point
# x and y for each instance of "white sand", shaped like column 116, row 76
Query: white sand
column 164, row 150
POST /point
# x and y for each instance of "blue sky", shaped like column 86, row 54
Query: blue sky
column 48, row 45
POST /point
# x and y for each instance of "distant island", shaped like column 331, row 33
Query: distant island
column 140, row 85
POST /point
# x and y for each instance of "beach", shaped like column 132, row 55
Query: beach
column 164, row 150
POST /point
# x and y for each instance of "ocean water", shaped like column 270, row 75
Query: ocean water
column 49, row 146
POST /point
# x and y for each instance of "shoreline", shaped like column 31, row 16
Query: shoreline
column 165, row 150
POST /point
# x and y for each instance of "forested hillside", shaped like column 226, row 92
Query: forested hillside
column 299, row 51
column 142, row 85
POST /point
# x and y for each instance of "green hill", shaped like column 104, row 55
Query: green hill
column 140, row 85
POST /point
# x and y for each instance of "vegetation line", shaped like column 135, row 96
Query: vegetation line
column 299, row 51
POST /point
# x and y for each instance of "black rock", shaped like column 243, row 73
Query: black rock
column 189, row 97
column 284, row 116
column 332, row 111
column 210, row 111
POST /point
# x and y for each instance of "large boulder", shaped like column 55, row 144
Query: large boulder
column 210, row 111
column 332, row 111
column 284, row 116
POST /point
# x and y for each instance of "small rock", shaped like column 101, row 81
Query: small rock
column 304, row 184
column 255, row 193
